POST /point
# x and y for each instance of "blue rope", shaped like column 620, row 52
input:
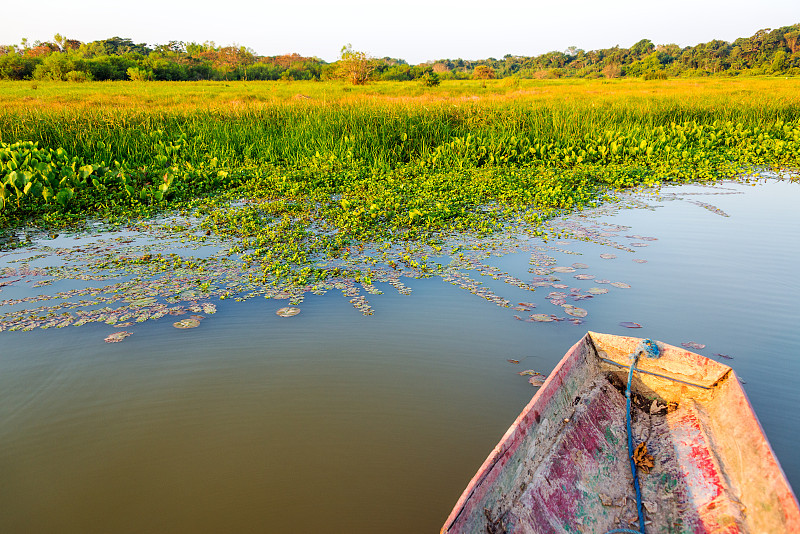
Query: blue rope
column 650, row 349
column 639, row 504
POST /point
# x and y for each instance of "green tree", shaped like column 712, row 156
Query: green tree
column 779, row 62
column 355, row 66
column 642, row 48
column 791, row 40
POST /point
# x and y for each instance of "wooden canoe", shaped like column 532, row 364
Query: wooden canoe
column 563, row 466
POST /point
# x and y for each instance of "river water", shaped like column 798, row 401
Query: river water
column 334, row 421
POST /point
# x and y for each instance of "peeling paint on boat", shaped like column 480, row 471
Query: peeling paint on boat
column 563, row 465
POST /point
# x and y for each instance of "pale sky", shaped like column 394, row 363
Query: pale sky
column 414, row 30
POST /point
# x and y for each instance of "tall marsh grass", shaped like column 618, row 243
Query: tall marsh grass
column 380, row 125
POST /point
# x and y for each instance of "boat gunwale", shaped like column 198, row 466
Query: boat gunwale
column 506, row 443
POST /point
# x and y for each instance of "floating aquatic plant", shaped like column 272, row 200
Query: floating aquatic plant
column 287, row 312
column 116, row 337
column 187, row 323
column 575, row 311
column 693, row 345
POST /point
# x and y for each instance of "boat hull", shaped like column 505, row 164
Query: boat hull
column 563, row 465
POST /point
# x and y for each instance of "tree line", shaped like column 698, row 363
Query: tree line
column 767, row 52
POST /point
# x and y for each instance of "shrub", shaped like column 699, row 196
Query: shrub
column 484, row 72
column 430, row 79
column 655, row 75
column 77, row 76
column 138, row 74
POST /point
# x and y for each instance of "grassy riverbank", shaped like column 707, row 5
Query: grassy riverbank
column 325, row 165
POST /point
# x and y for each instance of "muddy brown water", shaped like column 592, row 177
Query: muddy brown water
column 331, row 421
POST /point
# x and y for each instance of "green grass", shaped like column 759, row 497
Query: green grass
column 388, row 161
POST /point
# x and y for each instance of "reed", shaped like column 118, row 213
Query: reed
column 265, row 122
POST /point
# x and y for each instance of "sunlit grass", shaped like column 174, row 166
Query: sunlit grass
column 182, row 97
column 280, row 122
column 386, row 161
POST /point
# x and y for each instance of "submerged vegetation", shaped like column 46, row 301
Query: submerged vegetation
column 295, row 181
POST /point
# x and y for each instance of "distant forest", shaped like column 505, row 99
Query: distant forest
column 768, row 52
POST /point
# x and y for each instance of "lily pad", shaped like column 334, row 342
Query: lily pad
column 607, row 256
column 512, row 361
column 727, row 357
column 575, row 311
column 584, row 276
column 621, row 285
column 116, row 337
column 580, row 266
column 693, row 345
column 628, row 324
column 537, row 381
column 535, row 378
column 209, row 308
column 597, row 290
column 288, row 312
column 187, row 323
column 639, row 261
column 563, row 269
column 542, row 318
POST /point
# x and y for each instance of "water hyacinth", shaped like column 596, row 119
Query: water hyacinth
column 281, row 232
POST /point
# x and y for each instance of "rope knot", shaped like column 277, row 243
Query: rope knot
column 647, row 347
